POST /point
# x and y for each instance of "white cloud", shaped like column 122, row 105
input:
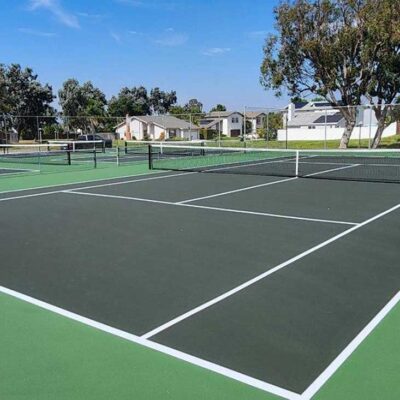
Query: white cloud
column 34, row 32
column 257, row 34
column 94, row 17
column 215, row 51
column 55, row 8
column 172, row 38
column 116, row 37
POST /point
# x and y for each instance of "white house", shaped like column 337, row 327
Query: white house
column 256, row 118
column 228, row 123
column 318, row 120
column 157, row 127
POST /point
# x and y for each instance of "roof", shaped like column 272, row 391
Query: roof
column 164, row 121
column 329, row 118
column 254, row 114
column 311, row 118
column 207, row 123
column 222, row 114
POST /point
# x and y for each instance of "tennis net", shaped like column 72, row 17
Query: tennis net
column 38, row 157
column 142, row 146
column 356, row 165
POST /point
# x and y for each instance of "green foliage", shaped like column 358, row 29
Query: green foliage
column 343, row 51
column 134, row 101
column 218, row 107
column 23, row 95
column 160, row 101
column 191, row 111
column 272, row 122
column 79, row 102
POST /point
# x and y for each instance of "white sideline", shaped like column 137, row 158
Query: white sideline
column 248, row 380
column 331, row 170
column 29, row 195
column 82, row 182
column 254, row 280
column 87, row 187
column 236, row 190
column 111, row 196
column 350, row 348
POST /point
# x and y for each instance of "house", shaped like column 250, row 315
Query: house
column 318, row 120
column 157, row 127
column 257, row 120
column 227, row 123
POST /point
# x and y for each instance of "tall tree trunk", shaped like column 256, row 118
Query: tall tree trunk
column 349, row 114
column 378, row 134
column 344, row 142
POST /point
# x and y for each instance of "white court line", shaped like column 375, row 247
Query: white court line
column 81, row 182
column 111, row 196
column 248, row 380
column 231, row 210
column 256, row 279
column 331, row 170
column 236, row 190
column 134, row 180
column 350, row 348
column 30, row 195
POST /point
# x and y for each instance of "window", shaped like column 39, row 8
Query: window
column 235, row 120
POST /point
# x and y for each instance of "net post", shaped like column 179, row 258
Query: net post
column 117, row 155
column 150, row 152
column 202, row 151
column 126, row 147
column 68, row 156
column 94, row 155
column 297, row 163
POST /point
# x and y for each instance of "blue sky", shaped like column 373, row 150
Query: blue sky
column 205, row 49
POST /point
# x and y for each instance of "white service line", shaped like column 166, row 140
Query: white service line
column 231, row 210
column 350, row 348
column 134, row 181
column 248, row 380
column 82, row 182
column 30, row 195
column 111, row 196
column 236, row 190
column 331, row 170
column 256, row 279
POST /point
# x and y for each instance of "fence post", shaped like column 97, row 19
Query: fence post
column 370, row 127
column 326, row 127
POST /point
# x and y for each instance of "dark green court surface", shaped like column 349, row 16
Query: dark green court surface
column 194, row 285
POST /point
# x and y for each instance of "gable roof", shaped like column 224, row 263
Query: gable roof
column 163, row 121
column 254, row 114
column 222, row 114
column 207, row 123
column 311, row 118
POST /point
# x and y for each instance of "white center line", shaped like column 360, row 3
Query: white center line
column 236, row 190
column 248, row 380
column 111, row 196
column 256, row 279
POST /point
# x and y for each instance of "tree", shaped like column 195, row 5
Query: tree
column 272, row 123
column 383, row 55
column 191, row 111
column 327, row 48
column 218, row 107
column 161, row 102
column 80, row 102
column 134, row 101
column 23, row 96
column 193, row 106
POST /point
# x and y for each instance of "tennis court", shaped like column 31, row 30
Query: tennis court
column 272, row 281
